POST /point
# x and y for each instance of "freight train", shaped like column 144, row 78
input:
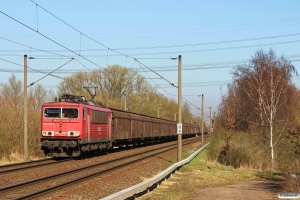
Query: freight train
column 73, row 126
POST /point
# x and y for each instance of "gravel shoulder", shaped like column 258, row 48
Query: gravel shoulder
column 250, row 190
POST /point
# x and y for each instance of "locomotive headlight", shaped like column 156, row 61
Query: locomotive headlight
column 47, row 133
column 73, row 133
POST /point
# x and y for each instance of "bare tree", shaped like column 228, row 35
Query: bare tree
column 11, row 121
column 266, row 81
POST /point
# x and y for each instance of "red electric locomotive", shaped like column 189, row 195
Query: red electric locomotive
column 73, row 125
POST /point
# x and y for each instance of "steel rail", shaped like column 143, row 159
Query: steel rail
column 28, row 165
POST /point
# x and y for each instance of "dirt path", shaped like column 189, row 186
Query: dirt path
column 250, row 190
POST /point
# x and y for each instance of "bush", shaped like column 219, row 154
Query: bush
column 239, row 149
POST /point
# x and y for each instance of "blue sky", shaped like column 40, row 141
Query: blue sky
column 211, row 36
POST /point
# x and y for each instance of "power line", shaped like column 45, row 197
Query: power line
column 178, row 52
column 222, row 31
column 195, row 29
column 183, row 45
column 205, row 43
column 216, row 49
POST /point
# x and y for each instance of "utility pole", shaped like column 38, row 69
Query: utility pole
column 25, row 109
column 210, row 124
column 214, row 121
column 202, row 120
column 179, row 132
column 158, row 111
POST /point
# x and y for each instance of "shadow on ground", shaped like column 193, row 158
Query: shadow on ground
column 271, row 175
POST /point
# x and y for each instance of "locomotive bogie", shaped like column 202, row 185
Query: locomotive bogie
column 60, row 148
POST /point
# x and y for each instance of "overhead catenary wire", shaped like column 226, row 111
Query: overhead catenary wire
column 181, row 51
column 63, row 45
column 39, row 71
column 37, row 18
column 187, row 45
column 32, row 48
column 50, row 39
column 165, row 80
column 53, row 40
column 80, row 53
column 205, row 43
column 222, row 31
column 50, row 73
column 213, row 27
column 193, row 84
column 30, row 68
column 156, row 73
column 78, row 30
column 61, row 56
column 215, row 49
column 154, row 81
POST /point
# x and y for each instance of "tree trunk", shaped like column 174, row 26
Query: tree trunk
column 271, row 144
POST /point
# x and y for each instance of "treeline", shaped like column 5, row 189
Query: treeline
column 259, row 116
column 12, row 117
column 115, row 85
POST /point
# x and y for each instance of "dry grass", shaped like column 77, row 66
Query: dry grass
column 16, row 157
column 244, row 150
column 292, row 183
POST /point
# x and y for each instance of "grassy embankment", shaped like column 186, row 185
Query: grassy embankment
column 202, row 173
column 244, row 159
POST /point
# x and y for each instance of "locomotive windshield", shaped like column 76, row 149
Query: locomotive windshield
column 61, row 113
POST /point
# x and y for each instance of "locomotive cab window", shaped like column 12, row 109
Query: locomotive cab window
column 61, row 113
column 52, row 112
column 69, row 113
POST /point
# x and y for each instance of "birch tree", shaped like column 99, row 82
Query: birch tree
column 266, row 81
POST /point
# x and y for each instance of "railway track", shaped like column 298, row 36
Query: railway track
column 40, row 187
column 30, row 164
column 40, row 163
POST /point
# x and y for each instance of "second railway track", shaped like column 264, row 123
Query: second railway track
column 28, row 165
